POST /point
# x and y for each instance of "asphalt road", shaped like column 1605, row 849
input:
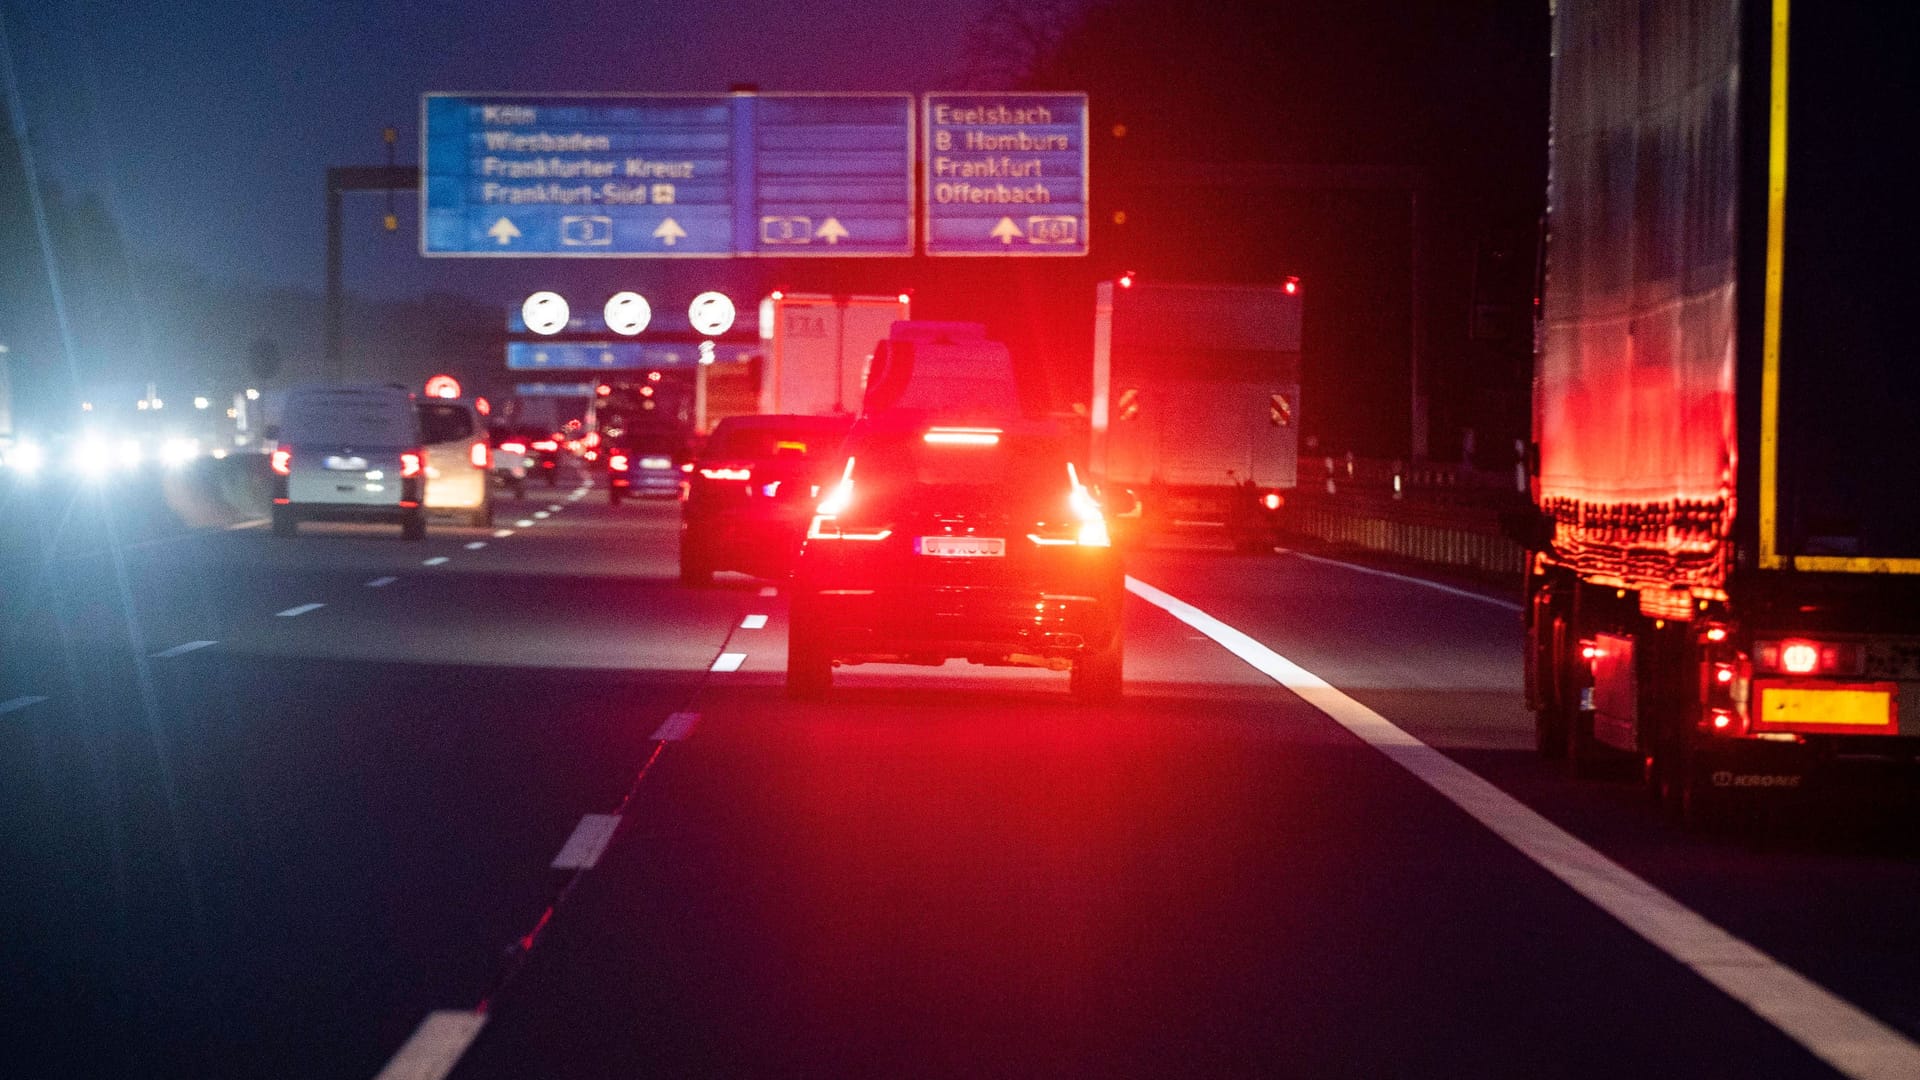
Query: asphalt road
column 323, row 842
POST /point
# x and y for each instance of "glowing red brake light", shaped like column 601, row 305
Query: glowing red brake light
column 546, row 445
column 1799, row 658
column 283, row 462
column 942, row 436
column 617, row 462
column 412, row 463
column 727, row 474
column 514, row 447
column 1271, row 500
column 480, row 455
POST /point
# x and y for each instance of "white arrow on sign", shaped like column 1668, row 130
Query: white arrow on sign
column 1006, row 231
column 503, row 231
column 832, row 231
column 669, row 232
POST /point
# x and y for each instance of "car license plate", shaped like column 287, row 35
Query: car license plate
column 345, row 464
column 961, row 547
column 656, row 463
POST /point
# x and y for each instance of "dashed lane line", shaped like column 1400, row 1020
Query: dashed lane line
column 183, row 649
column 502, row 534
column 754, row 622
column 768, row 590
column 555, row 507
column 22, row 702
column 301, row 610
column 729, row 661
column 437, row 560
column 542, row 515
column 1833, row 1029
column 676, row 727
column 589, row 841
column 435, row 1046
column 381, row 582
column 476, row 545
column 523, row 523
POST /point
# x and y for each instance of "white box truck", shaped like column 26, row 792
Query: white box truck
column 817, row 348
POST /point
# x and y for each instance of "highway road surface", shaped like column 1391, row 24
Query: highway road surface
column 513, row 803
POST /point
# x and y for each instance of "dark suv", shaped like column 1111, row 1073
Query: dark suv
column 941, row 542
column 751, row 492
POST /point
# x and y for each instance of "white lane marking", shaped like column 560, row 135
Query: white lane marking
column 768, row 590
column 437, row 560
column 555, row 507
column 523, row 523
column 301, row 610
column 16, row 704
column 754, row 622
column 502, row 534
column 381, row 582
column 583, row 849
column 676, row 727
column 1831, row 1028
column 182, row 650
column 250, row 523
column 576, row 496
column 476, row 545
column 435, row 1046
column 729, row 661
column 541, row 515
column 1409, row 579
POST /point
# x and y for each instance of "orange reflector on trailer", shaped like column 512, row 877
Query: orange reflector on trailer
column 1857, row 708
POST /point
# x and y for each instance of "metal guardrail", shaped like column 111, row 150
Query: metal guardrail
column 1442, row 514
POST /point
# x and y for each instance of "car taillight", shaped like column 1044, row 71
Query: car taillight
column 412, row 463
column 514, row 447
column 944, row 436
column 1271, row 500
column 546, row 446
column 826, row 525
column 727, row 474
column 480, row 456
column 617, row 462
column 283, row 462
column 1093, row 523
column 1803, row 657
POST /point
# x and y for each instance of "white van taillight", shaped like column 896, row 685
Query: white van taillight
column 480, row 456
column 412, row 463
column 283, row 462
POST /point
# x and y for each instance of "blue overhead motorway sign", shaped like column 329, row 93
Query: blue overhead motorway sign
column 624, row 175
column 1006, row 174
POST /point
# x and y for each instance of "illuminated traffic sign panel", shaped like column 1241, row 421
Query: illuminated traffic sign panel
column 1006, row 174
column 624, row 175
column 575, row 356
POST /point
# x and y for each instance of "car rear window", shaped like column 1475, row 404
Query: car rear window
column 642, row 432
column 444, row 423
column 740, row 442
column 1017, row 472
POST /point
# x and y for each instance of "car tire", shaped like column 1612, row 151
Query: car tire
column 696, row 570
column 413, row 525
column 809, row 659
column 284, row 523
column 613, row 495
column 1097, row 675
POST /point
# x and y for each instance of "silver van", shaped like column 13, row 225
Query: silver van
column 349, row 453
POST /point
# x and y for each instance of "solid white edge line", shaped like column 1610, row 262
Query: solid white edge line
column 1831, row 1028
column 729, row 661
column 381, row 582
column 300, row 610
column 435, row 1046
column 476, row 545
column 1409, row 579
column 754, row 622
column 21, row 702
column 437, row 560
column 250, row 523
column 676, row 727
column 182, row 649
column 588, row 842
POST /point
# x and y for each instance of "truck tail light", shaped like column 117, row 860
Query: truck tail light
column 1272, row 500
column 1800, row 656
column 481, row 457
column 283, row 462
column 412, row 463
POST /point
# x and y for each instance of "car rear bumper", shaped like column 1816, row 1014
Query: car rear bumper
column 752, row 544
column 661, row 482
column 996, row 625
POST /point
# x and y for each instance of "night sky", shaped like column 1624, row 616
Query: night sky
column 207, row 124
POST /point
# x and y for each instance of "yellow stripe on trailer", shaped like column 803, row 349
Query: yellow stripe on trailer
column 1770, row 557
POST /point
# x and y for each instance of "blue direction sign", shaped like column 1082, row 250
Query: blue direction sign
column 629, row 175
column 1006, row 174
column 614, row 355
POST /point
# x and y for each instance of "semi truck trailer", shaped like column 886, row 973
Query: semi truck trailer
column 1724, row 579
